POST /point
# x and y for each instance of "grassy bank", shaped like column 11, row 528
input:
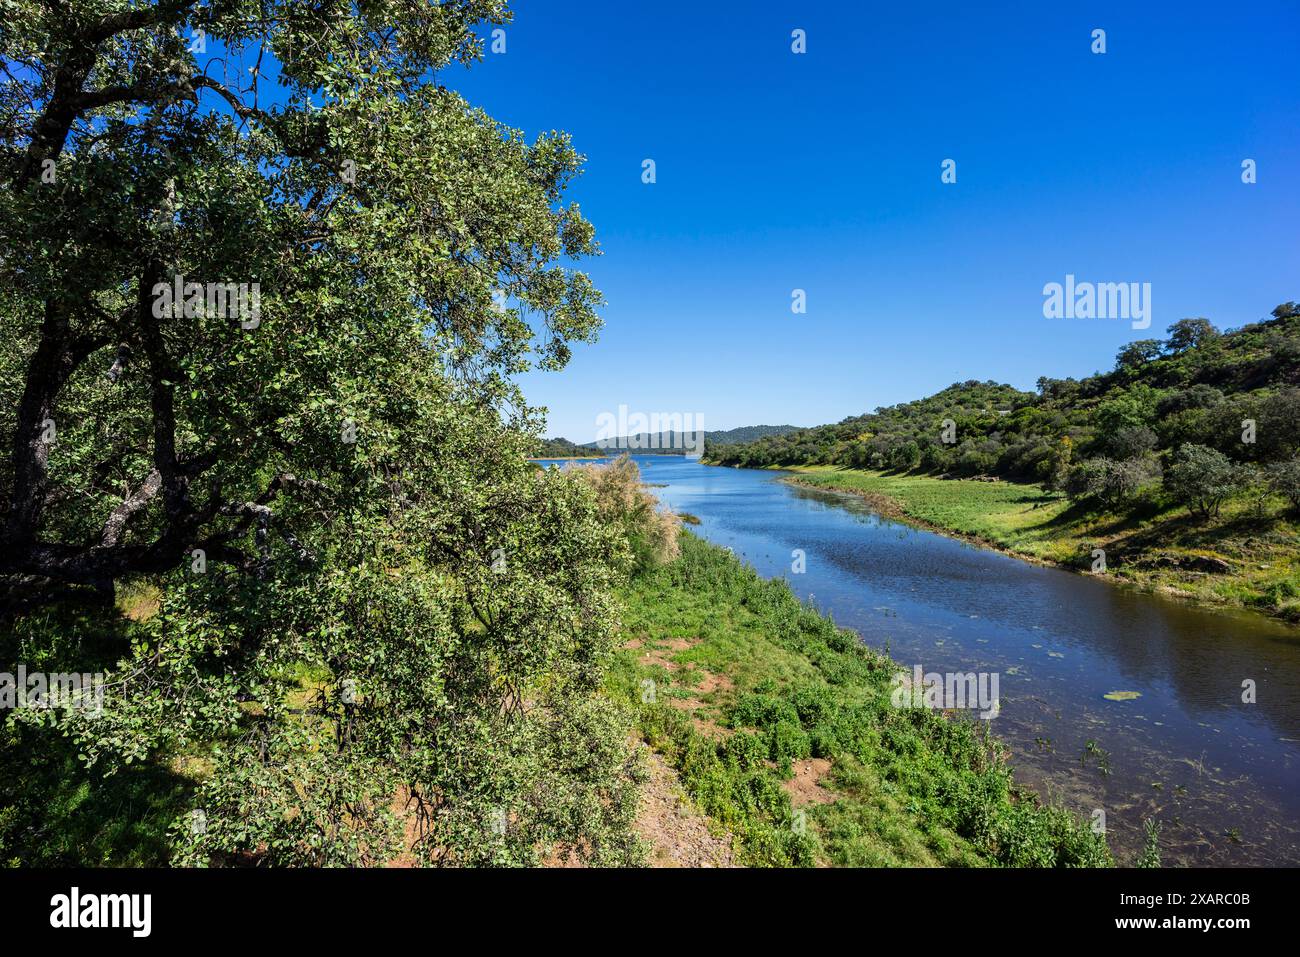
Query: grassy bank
column 1248, row 556
column 781, row 729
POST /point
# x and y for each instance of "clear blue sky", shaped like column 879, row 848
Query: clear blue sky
column 822, row 171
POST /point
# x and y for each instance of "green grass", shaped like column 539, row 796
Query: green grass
column 54, row 812
column 1154, row 546
column 909, row 786
column 1020, row 517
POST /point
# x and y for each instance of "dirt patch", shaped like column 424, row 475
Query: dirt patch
column 705, row 725
column 568, row 857
column 662, row 654
column 804, row 788
column 711, row 682
column 698, row 683
column 677, row 833
column 402, row 807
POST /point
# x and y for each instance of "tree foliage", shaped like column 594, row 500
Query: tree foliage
column 1285, row 479
column 1190, row 334
column 1111, row 481
column 1203, row 478
column 382, row 627
column 1102, row 437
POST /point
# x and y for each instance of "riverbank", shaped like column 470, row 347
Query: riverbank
column 1241, row 558
column 780, row 727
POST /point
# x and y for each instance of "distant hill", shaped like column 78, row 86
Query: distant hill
column 663, row 443
column 1197, row 386
column 747, row 433
column 562, row 448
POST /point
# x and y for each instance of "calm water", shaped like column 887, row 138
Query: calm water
column 1223, row 777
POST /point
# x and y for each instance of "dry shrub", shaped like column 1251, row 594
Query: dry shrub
column 650, row 528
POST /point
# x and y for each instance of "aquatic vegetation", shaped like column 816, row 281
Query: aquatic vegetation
column 1094, row 752
column 1150, row 856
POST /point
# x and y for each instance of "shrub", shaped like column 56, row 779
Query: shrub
column 1279, row 425
column 1202, row 478
column 1132, row 442
column 622, row 499
column 1284, row 477
column 906, row 456
column 813, row 704
column 762, row 711
column 824, row 742
column 1110, row 481
column 1199, row 396
column 1129, row 410
column 787, row 743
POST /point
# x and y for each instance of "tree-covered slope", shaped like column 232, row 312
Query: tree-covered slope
column 748, row 433
column 1195, row 387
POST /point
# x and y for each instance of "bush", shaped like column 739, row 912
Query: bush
column 1202, row 478
column 622, row 499
column 1110, row 481
column 762, row 710
column 906, row 456
column 1199, row 396
column 824, row 742
column 787, row 743
column 1279, row 425
column 1132, row 442
column 1284, row 477
column 813, row 704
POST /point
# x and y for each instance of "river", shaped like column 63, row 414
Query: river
column 1222, row 776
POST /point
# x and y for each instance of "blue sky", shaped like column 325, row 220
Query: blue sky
column 821, row 171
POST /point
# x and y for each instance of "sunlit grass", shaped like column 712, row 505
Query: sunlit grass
column 906, row 787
